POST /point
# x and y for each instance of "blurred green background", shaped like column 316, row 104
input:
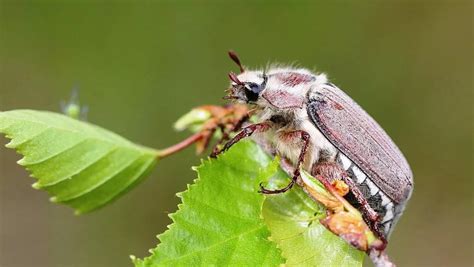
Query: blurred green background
column 141, row 65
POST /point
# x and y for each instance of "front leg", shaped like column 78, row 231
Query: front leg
column 304, row 136
column 226, row 130
column 246, row 132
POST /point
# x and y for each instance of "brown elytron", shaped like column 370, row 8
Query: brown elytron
column 356, row 134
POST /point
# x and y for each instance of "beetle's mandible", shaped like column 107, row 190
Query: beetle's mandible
column 316, row 126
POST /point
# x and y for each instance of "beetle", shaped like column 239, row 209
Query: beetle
column 317, row 127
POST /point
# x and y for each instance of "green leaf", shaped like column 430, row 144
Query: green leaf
column 79, row 164
column 219, row 222
column 293, row 219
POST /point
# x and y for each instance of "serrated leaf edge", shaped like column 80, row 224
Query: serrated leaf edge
column 180, row 195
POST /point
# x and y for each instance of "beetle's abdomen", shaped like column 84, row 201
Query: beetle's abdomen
column 388, row 211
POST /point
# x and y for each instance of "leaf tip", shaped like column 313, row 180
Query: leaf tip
column 22, row 162
column 10, row 144
column 136, row 261
column 37, row 185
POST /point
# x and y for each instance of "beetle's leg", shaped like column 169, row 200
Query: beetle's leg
column 225, row 134
column 332, row 171
column 246, row 132
column 239, row 123
column 232, row 127
column 304, row 136
column 225, row 130
column 370, row 215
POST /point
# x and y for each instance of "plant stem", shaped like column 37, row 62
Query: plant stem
column 180, row 146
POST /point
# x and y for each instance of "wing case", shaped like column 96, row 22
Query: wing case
column 357, row 135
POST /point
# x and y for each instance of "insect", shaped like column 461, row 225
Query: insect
column 316, row 126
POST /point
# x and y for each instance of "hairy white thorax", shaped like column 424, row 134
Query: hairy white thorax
column 295, row 118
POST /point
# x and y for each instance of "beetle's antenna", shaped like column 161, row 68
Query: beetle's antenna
column 236, row 59
column 234, row 78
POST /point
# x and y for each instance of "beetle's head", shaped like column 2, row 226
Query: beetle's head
column 247, row 86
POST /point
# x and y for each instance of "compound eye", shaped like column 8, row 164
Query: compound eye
column 252, row 91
